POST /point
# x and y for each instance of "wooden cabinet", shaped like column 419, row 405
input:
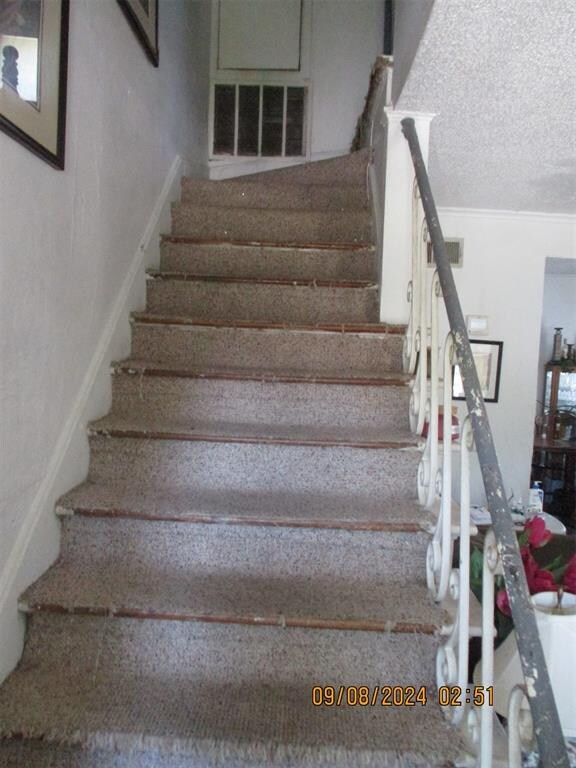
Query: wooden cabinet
column 560, row 400
column 554, row 458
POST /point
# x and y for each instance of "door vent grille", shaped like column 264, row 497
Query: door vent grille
column 454, row 249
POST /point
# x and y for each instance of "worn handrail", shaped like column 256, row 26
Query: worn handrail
column 545, row 717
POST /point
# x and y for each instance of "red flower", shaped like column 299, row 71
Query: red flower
column 539, row 580
column 530, row 565
column 542, row 581
column 503, row 603
column 570, row 576
column 538, row 534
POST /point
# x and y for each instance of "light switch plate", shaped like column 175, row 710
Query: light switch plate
column 477, row 325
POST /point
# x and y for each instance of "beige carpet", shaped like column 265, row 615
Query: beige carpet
column 249, row 526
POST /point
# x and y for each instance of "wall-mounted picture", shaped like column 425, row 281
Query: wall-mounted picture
column 33, row 61
column 142, row 16
column 488, row 358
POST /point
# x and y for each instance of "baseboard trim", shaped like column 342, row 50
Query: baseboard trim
column 11, row 576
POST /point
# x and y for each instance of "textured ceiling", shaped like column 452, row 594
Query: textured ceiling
column 500, row 74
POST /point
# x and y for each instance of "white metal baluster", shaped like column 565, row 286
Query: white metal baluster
column 444, row 479
column 410, row 353
column 439, row 561
column 416, row 385
column 429, row 461
column 435, row 293
column 466, row 446
column 422, row 371
column 491, row 568
column 452, row 656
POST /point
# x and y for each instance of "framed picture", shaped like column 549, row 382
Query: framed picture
column 488, row 358
column 34, row 56
column 142, row 16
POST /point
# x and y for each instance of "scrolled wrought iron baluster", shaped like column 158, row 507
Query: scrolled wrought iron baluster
column 517, row 722
column 492, row 567
column 410, row 352
column 439, row 556
column 452, row 656
column 433, row 444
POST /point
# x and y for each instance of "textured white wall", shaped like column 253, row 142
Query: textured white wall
column 347, row 35
column 410, row 19
column 68, row 239
column 503, row 277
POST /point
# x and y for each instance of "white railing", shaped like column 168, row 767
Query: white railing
column 435, row 340
column 431, row 362
column 430, row 359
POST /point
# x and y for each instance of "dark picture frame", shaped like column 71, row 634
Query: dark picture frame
column 488, row 358
column 37, row 119
column 142, row 15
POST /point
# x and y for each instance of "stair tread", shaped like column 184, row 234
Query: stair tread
column 342, row 169
column 16, row 753
column 304, row 225
column 275, row 244
column 212, row 692
column 261, row 281
column 254, row 194
column 258, row 591
column 152, row 368
column 238, row 432
column 339, row 328
column 274, row 261
column 250, row 181
column 361, row 214
column 285, row 302
column 259, row 508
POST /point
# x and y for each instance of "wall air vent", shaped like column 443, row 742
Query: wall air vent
column 454, row 249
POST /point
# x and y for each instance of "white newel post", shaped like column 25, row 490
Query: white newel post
column 394, row 246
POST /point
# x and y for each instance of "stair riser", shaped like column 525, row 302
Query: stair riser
column 272, row 226
column 218, row 559
column 41, row 754
column 273, row 303
column 255, row 468
column 247, row 349
column 24, row 754
column 214, row 655
column 216, row 694
column 255, row 402
column 238, row 194
column 271, row 263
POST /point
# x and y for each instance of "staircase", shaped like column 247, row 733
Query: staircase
column 248, row 529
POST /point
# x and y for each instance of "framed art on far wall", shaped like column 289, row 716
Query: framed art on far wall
column 34, row 59
column 142, row 16
column 488, row 358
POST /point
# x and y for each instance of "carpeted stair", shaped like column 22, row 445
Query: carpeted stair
column 248, row 529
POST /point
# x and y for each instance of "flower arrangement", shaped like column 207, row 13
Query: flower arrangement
column 547, row 570
column 556, row 576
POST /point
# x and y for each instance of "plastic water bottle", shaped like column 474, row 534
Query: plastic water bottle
column 536, row 499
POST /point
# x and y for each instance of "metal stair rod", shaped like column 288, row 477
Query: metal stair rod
column 547, row 728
